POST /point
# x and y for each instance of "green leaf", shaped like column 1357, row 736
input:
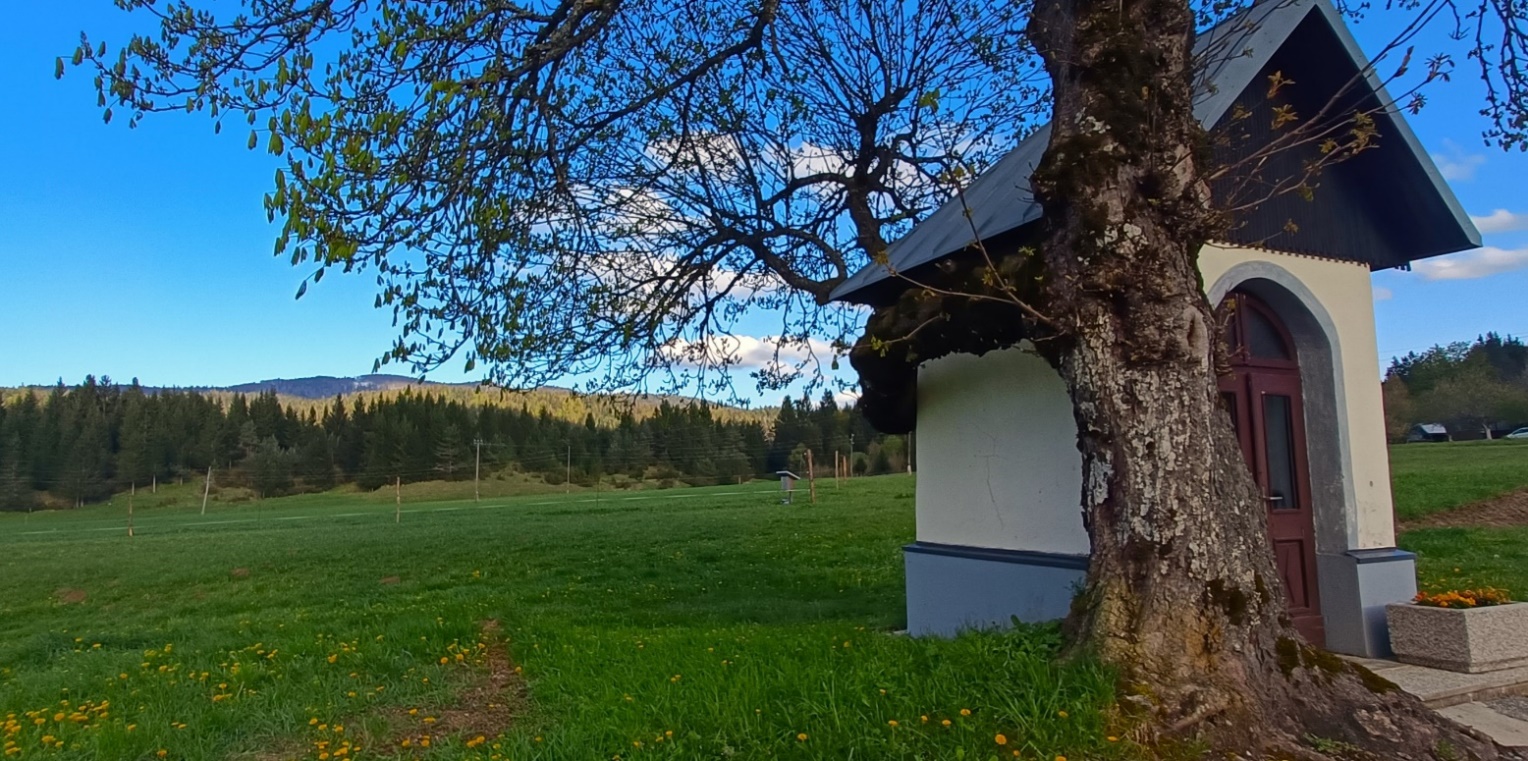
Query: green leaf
column 107, row 116
column 276, row 146
column 58, row 68
column 254, row 140
column 301, row 289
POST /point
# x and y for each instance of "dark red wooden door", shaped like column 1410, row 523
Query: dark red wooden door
column 1262, row 393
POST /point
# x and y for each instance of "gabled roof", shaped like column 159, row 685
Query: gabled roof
column 1238, row 50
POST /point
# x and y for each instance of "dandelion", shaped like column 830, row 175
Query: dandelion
column 1113, row 739
column 944, row 722
column 923, row 718
column 1062, row 714
column 965, row 712
column 162, row 753
column 1000, row 739
column 801, row 738
column 892, row 723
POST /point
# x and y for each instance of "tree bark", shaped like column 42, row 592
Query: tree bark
column 1182, row 593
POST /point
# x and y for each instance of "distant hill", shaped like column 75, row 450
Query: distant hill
column 315, row 392
column 328, row 387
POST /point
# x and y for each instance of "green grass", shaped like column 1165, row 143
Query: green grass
column 733, row 622
column 1434, row 478
column 1463, row 558
column 1431, row 478
column 686, row 624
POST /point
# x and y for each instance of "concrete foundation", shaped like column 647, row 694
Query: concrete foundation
column 1355, row 588
column 951, row 588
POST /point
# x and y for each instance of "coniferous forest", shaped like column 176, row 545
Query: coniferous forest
column 75, row 445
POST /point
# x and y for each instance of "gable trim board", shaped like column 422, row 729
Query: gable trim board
column 1000, row 200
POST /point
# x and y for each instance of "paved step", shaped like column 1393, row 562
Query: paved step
column 1504, row 729
column 1441, row 689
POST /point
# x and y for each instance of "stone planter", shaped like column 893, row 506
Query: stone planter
column 1469, row 640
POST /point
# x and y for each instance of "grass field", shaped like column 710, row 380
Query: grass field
column 1435, row 478
column 695, row 624
column 1431, row 478
column 685, row 624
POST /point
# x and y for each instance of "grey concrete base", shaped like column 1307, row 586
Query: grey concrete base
column 1355, row 588
column 950, row 588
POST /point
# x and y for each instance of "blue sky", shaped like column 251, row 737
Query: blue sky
column 146, row 252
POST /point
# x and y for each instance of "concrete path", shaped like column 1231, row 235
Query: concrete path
column 1504, row 729
column 1483, row 702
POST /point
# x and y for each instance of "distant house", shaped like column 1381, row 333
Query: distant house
column 999, row 527
column 1428, row 432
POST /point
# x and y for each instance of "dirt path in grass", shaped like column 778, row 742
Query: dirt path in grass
column 482, row 712
column 1509, row 509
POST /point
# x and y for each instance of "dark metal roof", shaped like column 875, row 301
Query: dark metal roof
column 1239, row 51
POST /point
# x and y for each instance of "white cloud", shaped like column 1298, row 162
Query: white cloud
column 846, row 398
column 1456, row 165
column 770, row 352
column 1500, row 221
column 1481, row 262
column 1382, row 293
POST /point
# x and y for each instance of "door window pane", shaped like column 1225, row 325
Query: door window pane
column 1278, row 447
column 1263, row 339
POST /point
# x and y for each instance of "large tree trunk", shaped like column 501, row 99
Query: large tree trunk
column 1182, row 595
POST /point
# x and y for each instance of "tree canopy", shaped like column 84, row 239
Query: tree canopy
column 596, row 189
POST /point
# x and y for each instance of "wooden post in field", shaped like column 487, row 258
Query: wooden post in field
column 154, row 485
column 811, row 477
column 568, row 480
column 397, row 499
column 206, row 489
column 131, row 490
column 477, row 469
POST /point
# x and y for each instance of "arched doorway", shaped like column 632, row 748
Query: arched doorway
column 1262, row 393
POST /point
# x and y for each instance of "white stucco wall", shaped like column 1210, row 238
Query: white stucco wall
column 998, row 465
column 1344, row 297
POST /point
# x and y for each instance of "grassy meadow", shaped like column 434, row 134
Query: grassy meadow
column 694, row 624
column 1431, row 478
column 1436, row 478
column 706, row 623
